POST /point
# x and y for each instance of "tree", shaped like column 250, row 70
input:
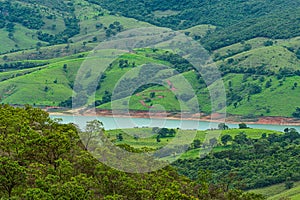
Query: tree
column 5, row 58
column 152, row 95
column 158, row 138
column 222, row 126
column 163, row 132
column 37, row 193
column 11, row 175
column 260, row 146
column 79, row 187
column 289, row 184
column 38, row 46
column 172, row 132
column 196, row 143
column 225, row 139
column 119, row 137
column 268, row 43
column 46, row 88
column 241, row 138
column 268, row 84
column 298, row 53
column 10, row 35
column 242, row 126
column 286, row 130
column 296, row 114
column 255, row 89
column 295, row 84
column 92, row 134
column 65, row 67
column 10, row 27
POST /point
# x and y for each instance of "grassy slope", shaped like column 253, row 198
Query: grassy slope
column 89, row 17
column 163, row 95
column 263, row 103
column 31, row 88
column 25, row 38
column 88, row 14
column 22, row 39
column 275, row 192
column 272, row 57
column 148, row 139
column 270, row 101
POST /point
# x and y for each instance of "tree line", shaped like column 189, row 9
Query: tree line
column 247, row 163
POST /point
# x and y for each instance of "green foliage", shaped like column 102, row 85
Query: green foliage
column 72, row 29
column 298, row 53
column 296, row 114
column 225, row 139
column 273, row 19
column 250, row 163
column 18, row 13
column 12, row 175
column 243, row 126
column 42, row 159
column 278, row 192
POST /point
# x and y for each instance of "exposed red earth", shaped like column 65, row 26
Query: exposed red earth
column 216, row 117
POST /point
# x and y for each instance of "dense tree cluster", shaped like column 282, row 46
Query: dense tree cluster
column 12, row 12
column 180, row 64
column 42, row 159
column 72, row 29
column 20, row 65
column 113, row 29
column 56, row 4
column 163, row 132
column 236, row 20
column 250, row 163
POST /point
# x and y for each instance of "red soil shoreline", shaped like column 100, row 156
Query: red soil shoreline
column 216, row 117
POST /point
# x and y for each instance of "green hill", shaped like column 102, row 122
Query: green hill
column 277, row 192
column 255, row 69
column 251, row 81
column 236, row 21
column 32, row 24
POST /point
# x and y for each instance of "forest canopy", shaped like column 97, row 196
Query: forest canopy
column 43, row 159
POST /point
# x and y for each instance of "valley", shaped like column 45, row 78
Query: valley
column 233, row 63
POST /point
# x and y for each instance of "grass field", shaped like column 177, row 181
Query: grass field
column 269, row 101
column 277, row 192
column 144, row 137
column 48, row 86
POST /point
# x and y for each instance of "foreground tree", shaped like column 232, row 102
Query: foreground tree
column 11, row 175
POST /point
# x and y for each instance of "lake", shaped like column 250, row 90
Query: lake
column 122, row 122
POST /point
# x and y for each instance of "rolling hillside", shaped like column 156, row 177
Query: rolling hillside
column 236, row 20
column 46, row 60
column 277, row 192
column 251, row 80
column 60, row 36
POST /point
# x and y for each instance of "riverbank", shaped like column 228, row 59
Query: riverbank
column 216, row 117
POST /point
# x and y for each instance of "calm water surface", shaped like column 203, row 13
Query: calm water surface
column 121, row 122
